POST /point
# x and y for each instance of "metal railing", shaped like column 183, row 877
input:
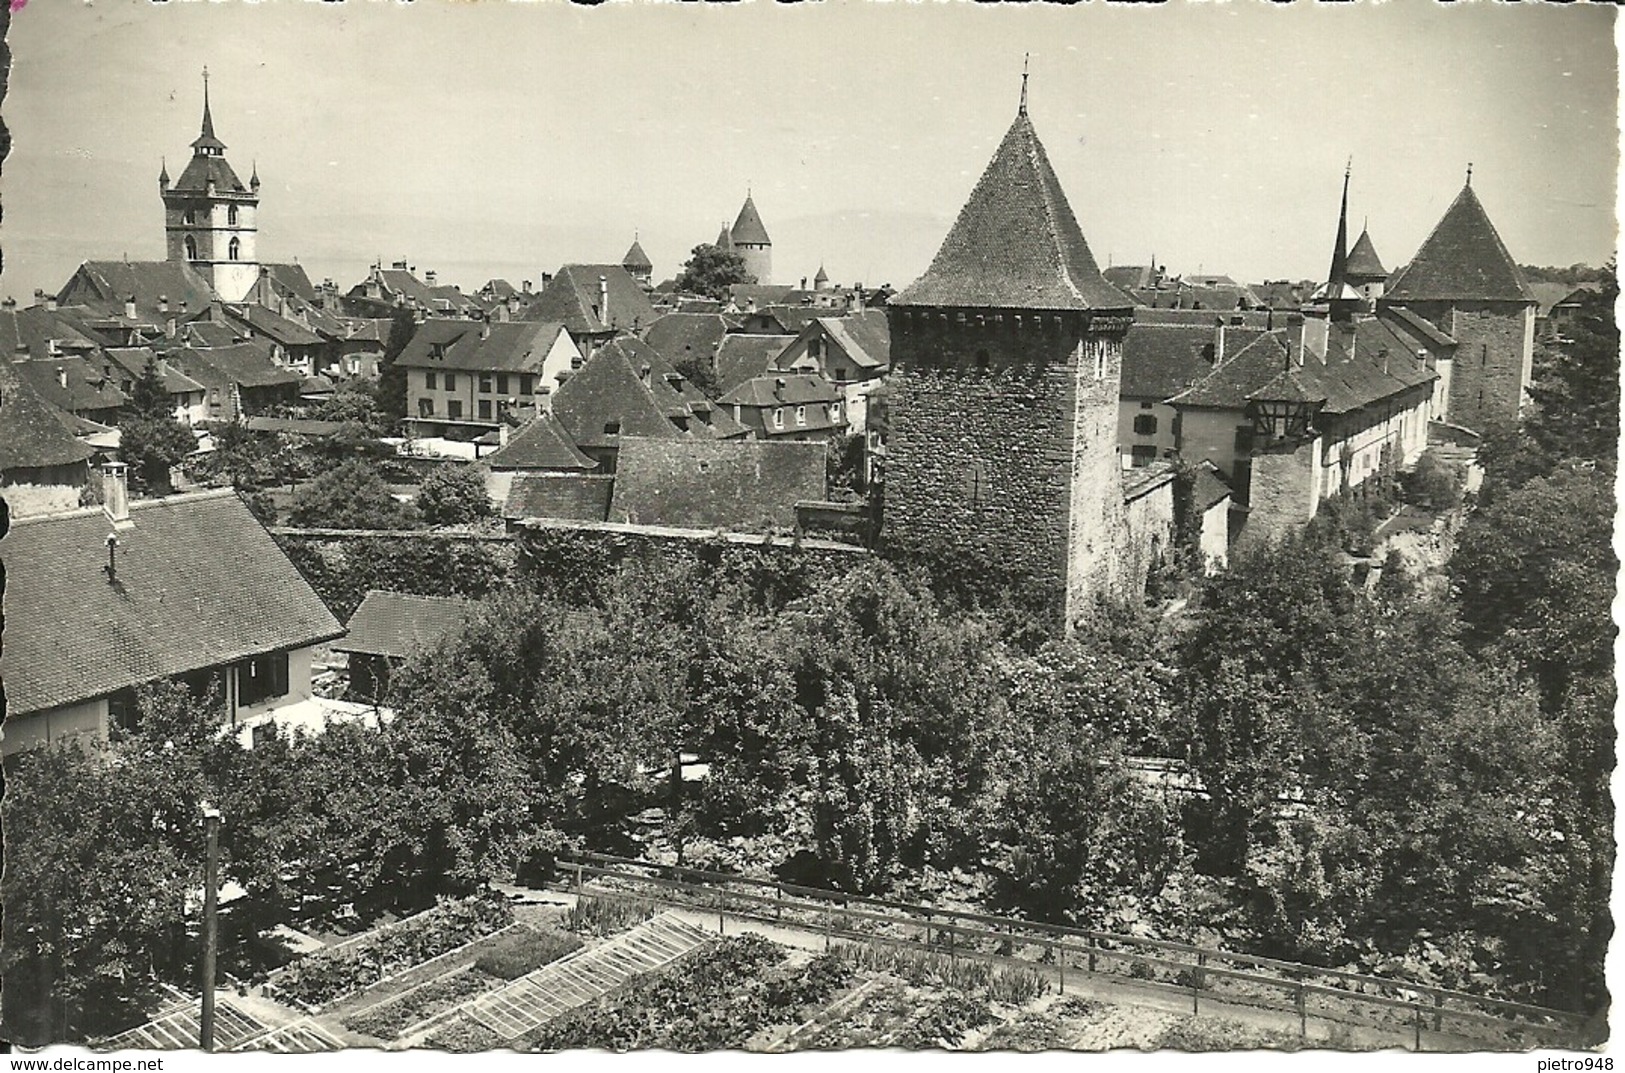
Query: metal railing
column 1308, row 991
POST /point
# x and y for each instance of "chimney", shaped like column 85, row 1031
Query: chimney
column 643, row 373
column 525, row 286
column 39, row 297
column 21, row 353
column 603, row 299
column 1294, row 337
column 61, row 378
column 169, row 328
column 502, row 434
column 1218, row 340
column 163, row 303
column 9, row 305
column 129, row 308
column 505, row 311
column 399, row 266
column 183, row 307
column 429, row 277
column 485, row 326
column 1316, row 332
column 116, row 492
column 857, row 299
column 50, row 303
column 803, row 282
column 547, row 277
column 778, row 387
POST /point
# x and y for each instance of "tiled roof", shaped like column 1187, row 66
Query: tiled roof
column 571, row 296
column 748, row 227
column 292, row 279
column 724, row 240
column 581, row 497
column 200, row 170
column 1142, row 480
column 1363, row 261
column 504, row 346
column 103, row 286
column 785, row 389
column 608, row 391
column 199, row 583
column 210, row 333
column 679, row 337
column 1016, row 244
column 73, row 382
column 540, row 443
column 1161, row 359
column 398, row 623
column 1417, row 325
column 738, row 485
column 1130, row 277
column 865, row 337
column 272, row 326
column 759, row 294
column 32, row 436
column 246, row 364
column 133, row 360
column 636, row 258
column 1210, row 488
column 1463, row 259
column 1227, row 385
column 742, row 357
column 294, row 426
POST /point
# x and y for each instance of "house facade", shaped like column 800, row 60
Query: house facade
column 462, row 376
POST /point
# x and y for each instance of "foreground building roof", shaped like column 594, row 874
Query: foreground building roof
column 397, row 624
column 198, row 583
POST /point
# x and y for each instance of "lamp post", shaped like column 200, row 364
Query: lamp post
column 211, row 884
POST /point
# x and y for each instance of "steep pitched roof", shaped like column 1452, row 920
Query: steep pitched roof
column 609, row 392
column 787, row 389
column 272, row 326
column 580, row 497
column 1210, row 487
column 681, row 337
column 202, row 170
column 636, row 259
column 866, row 337
column 1228, row 384
column 73, row 382
column 1161, row 359
column 398, row 623
column 572, row 298
column 199, row 583
column 743, row 356
column 133, row 361
column 748, row 227
column 540, row 443
column 246, row 364
column 291, row 278
column 1016, row 244
column 103, row 286
column 465, row 345
column 1363, row 262
column 32, row 436
column 738, row 485
column 1463, row 259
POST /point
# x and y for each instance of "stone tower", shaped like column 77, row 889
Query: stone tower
column 1364, row 268
column 750, row 241
column 637, row 263
column 209, row 216
column 1003, row 402
column 1465, row 282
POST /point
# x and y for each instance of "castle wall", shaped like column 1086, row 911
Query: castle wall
column 1282, row 494
column 1101, row 557
column 1494, row 358
column 990, row 418
column 1147, row 539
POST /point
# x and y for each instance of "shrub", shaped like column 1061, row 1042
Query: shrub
column 944, row 1023
column 464, row 1035
column 525, row 950
column 1436, row 482
column 350, row 496
column 453, row 494
column 1017, row 987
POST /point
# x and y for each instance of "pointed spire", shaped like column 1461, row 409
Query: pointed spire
column 1469, row 173
column 207, row 144
column 1340, row 253
column 254, row 179
column 208, row 121
column 1022, row 108
column 163, row 172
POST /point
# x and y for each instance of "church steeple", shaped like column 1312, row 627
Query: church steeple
column 207, row 144
column 209, row 214
column 1340, row 254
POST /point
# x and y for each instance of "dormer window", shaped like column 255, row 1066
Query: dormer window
column 778, row 417
column 612, row 428
column 801, row 415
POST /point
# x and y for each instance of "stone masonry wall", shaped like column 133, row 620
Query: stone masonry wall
column 982, row 450
column 1492, row 361
column 1098, row 540
column 1283, row 491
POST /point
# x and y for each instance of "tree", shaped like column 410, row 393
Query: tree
column 357, row 402
column 350, row 496
column 151, row 438
column 453, row 494
column 391, row 377
column 711, row 270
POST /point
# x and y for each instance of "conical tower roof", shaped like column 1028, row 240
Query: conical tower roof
column 206, row 140
column 1463, row 259
column 748, row 228
column 1363, row 262
column 1016, row 244
column 725, row 239
column 636, row 258
column 822, row 276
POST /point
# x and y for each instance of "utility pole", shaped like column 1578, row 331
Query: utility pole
column 211, row 886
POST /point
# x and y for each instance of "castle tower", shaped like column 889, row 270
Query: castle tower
column 209, row 215
column 1003, row 407
column 637, row 263
column 1465, row 282
column 1364, row 269
column 750, row 241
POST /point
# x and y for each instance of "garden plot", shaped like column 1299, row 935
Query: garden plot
column 302, row 1037
column 181, row 1027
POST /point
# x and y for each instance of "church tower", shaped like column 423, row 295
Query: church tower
column 1002, row 442
column 749, row 239
column 209, row 215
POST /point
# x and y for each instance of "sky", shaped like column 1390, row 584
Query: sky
column 487, row 138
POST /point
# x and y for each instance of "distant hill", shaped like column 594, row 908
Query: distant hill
column 1572, row 275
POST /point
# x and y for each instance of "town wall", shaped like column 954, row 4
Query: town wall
column 1283, row 496
column 343, row 564
column 1493, row 361
column 1148, row 537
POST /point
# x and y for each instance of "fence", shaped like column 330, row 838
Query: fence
column 1310, row 992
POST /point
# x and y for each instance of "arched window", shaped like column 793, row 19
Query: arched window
column 233, row 249
column 188, row 217
column 191, row 248
column 231, row 215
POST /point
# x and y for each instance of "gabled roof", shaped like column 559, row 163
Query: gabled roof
column 607, row 392
column 748, row 227
column 1162, row 359
column 571, row 298
column 198, row 583
column 866, row 337
column 1210, row 487
column 1016, row 244
column 679, row 337
column 244, row 364
column 291, row 278
column 212, row 333
column 579, row 497
column 1463, row 259
column 1363, row 262
column 785, row 389
column 1418, row 326
column 750, row 485
column 1227, row 385
column 73, row 382
column 398, row 624
column 103, row 286
column 133, row 361
column 466, row 345
column 636, row 259
column 540, row 444
column 32, row 436
column 272, row 326
column 743, row 356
